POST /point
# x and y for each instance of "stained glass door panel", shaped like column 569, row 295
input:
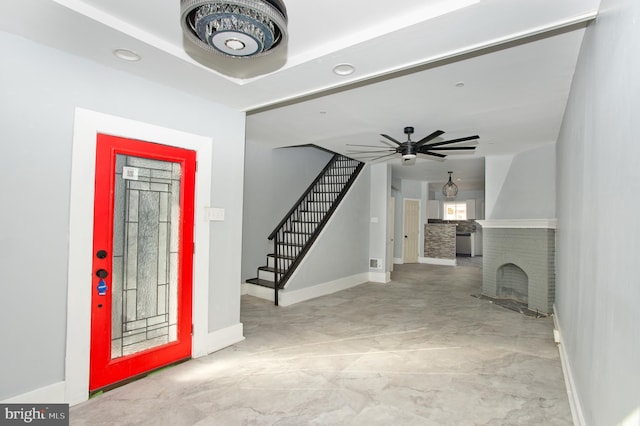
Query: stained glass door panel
column 143, row 240
column 145, row 254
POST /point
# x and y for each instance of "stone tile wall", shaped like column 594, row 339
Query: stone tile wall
column 440, row 241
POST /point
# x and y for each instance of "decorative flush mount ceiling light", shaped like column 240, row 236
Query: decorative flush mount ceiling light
column 235, row 28
column 450, row 189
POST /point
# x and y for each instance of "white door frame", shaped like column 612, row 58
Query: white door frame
column 87, row 125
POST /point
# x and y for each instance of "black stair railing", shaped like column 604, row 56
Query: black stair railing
column 300, row 227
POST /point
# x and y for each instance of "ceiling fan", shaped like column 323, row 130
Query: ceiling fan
column 410, row 149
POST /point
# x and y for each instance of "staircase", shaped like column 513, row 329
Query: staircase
column 300, row 227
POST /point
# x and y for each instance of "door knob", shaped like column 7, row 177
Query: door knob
column 101, row 273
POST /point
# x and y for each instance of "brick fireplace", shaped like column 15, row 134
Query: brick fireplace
column 519, row 261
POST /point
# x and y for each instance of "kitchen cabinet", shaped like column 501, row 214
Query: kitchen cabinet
column 471, row 209
column 434, row 209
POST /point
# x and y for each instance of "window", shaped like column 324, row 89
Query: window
column 455, row 211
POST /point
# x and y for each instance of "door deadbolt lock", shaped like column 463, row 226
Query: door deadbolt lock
column 101, row 273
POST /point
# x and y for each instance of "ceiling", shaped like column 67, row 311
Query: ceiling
column 498, row 68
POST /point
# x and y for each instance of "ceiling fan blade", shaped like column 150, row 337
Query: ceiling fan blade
column 468, row 138
column 371, row 152
column 428, row 138
column 383, row 156
column 453, row 148
column 391, row 139
column 434, row 154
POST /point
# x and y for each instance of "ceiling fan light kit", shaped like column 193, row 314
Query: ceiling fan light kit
column 235, row 28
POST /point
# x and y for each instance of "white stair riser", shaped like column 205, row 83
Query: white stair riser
column 284, row 263
column 266, row 275
column 294, row 238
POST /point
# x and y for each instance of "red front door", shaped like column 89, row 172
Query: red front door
column 142, row 258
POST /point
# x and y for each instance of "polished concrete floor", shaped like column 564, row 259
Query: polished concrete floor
column 416, row 351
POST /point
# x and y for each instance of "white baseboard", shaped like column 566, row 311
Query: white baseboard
column 50, row 394
column 574, row 400
column 290, row 297
column 220, row 339
column 437, row 261
column 287, row 298
column 380, row 277
column 257, row 291
column 398, row 260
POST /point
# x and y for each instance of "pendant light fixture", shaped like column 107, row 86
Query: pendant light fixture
column 450, row 189
column 235, row 28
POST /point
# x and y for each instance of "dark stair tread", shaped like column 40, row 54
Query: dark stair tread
column 261, row 282
column 282, row 243
column 281, row 256
column 268, row 269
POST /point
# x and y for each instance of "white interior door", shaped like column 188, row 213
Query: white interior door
column 411, row 230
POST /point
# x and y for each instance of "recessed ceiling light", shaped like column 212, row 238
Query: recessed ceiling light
column 343, row 69
column 460, row 84
column 127, row 55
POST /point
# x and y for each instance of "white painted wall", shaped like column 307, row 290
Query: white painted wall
column 521, row 186
column 41, row 87
column 274, row 180
column 597, row 284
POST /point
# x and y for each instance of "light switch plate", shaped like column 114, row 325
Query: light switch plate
column 215, row 214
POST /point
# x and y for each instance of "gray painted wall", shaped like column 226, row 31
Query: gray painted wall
column 40, row 89
column 598, row 289
column 275, row 179
column 342, row 250
column 522, row 186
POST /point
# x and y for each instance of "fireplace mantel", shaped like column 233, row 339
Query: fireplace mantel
column 519, row 223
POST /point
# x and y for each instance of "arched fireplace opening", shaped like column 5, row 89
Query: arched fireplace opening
column 512, row 283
